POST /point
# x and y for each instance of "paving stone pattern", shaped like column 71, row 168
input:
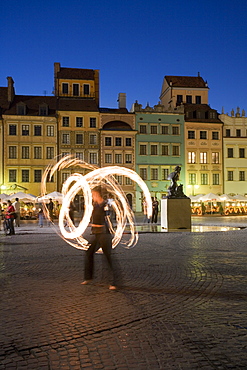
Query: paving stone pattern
column 181, row 303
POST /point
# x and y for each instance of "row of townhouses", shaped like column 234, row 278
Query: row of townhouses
column 182, row 129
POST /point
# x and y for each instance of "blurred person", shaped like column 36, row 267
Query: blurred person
column 101, row 237
column 17, row 208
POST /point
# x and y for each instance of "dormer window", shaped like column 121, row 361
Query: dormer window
column 43, row 110
column 86, row 89
column 65, row 88
column 76, row 89
column 21, row 109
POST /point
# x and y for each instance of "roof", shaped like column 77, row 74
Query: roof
column 76, row 73
column 32, row 103
column 77, row 104
column 190, row 108
column 186, row 81
column 112, row 110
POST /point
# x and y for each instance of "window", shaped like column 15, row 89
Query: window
column 12, row 175
column 154, row 130
column 118, row 158
column 215, row 135
column 108, row 158
column 25, row 130
column 119, row 179
column 128, row 158
column 49, row 152
column 64, row 154
column 203, row 157
column 192, row 178
column 12, row 152
column 191, row 134
column 189, row 99
column 50, row 130
column 204, row 178
column 79, row 121
column 79, row 138
column 65, row 175
column 191, row 157
column 37, row 130
column 230, row 152
column 216, row 179
column 164, row 130
column 118, row 141
column 86, row 89
column 43, row 110
column 128, row 141
column 228, row 132
column 198, row 99
column 12, row 129
column 65, row 121
column 164, row 149
column 212, row 114
column 65, row 88
column 93, row 158
column 37, row 152
column 241, row 175
column 66, row 138
column 143, row 129
column 21, row 109
column 107, row 141
column 175, row 130
column 230, row 175
column 143, row 149
column 241, row 153
column 165, row 173
column 215, row 157
column 238, row 133
column 79, row 155
column 203, row 135
column 154, row 173
column 92, row 122
column 76, row 88
column 128, row 181
column 179, row 99
column 92, row 139
column 175, row 150
column 37, row 175
column 25, row 152
column 143, row 173
column 25, row 175
column 154, row 149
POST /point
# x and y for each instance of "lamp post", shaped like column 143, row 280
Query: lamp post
column 2, row 187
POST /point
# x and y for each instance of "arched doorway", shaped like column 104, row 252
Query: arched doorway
column 130, row 199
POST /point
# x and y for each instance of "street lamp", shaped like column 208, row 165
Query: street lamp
column 2, row 187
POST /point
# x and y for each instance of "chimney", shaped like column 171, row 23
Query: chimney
column 121, row 100
column 11, row 89
column 57, row 67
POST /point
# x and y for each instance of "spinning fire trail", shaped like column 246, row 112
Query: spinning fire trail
column 83, row 184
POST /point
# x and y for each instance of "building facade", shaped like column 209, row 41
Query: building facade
column 159, row 148
column 202, row 133
column 235, row 152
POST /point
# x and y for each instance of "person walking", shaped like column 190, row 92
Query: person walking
column 9, row 215
column 101, row 237
column 17, row 208
column 50, row 207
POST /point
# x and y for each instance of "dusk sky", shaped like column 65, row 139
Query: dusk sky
column 134, row 44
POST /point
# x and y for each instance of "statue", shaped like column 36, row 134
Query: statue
column 175, row 190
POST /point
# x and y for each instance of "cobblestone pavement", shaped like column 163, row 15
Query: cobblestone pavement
column 181, row 302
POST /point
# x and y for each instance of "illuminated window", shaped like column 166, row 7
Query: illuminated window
column 204, row 178
column 203, row 157
column 191, row 157
column 215, row 157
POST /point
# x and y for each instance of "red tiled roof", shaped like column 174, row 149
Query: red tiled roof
column 186, row 81
column 76, row 73
column 32, row 103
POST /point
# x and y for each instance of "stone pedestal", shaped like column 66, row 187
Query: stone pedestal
column 175, row 214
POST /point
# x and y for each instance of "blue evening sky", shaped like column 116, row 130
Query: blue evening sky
column 134, row 44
